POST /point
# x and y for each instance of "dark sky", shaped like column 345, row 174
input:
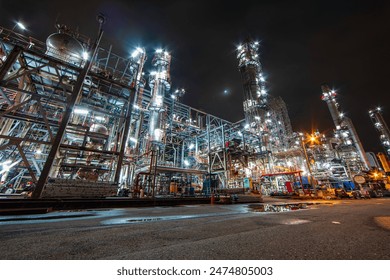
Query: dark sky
column 303, row 44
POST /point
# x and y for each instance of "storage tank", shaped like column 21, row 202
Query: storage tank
column 63, row 45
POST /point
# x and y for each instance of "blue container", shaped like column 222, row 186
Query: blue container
column 349, row 185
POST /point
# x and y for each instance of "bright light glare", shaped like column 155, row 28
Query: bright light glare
column 134, row 140
column 7, row 162
column 85, row 55
column 7, row 165
column 136, row 52
column 186, row 162
column 191, row 146
column 38, row 152
column 159, row 100
column 21, row 25
column 159, row 51
column 158, row 134
column 99, row 118
column 81, row 111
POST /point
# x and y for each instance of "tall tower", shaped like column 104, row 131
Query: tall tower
column 345, row 130
column 255, row 95
column 281, row 130
column 381, row 126
column 160, row 84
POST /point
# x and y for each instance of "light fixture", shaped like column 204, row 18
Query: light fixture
column 20, row 25
column 136, row 52
column 85, row 55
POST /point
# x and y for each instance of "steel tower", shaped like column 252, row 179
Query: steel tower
column 345, row 130
column 255, row 96
column 160, row 84
column 381, row 126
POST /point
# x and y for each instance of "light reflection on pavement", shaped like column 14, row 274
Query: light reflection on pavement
column 132, row 215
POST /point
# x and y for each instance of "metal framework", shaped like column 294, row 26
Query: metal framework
column 79, row 121
column 63, row 117
column 350, row 147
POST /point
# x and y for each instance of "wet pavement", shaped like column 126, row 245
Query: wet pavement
column 274, row 229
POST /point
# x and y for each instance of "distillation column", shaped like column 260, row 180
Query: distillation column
column 381, row 126
column 345, row 129
column 255, row 95
column 160, row 84
column 139, row 56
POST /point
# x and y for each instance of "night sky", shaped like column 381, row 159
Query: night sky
column 303, row 44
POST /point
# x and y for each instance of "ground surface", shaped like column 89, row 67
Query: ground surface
column 344, row 229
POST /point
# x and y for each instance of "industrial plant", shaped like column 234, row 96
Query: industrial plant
column 78, row 121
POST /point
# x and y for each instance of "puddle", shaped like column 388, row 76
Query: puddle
column 142, row 220
column 277, row 208
column 46, row 218
column 135, row 220
column 59, row 216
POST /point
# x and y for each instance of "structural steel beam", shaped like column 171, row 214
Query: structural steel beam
column 65, row 119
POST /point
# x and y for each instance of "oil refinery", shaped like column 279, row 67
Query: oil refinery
column 78, row 121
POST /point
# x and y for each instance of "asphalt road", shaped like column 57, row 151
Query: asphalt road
column 345, row 229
